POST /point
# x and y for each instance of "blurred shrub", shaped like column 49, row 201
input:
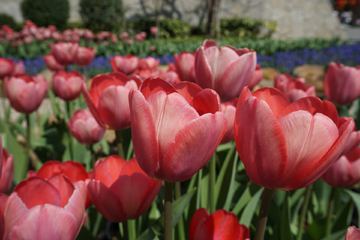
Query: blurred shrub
column 73, row 25
column 102, row 15
column 247, row 28
column 46, row 12
column 6, row 19
column 169, row 28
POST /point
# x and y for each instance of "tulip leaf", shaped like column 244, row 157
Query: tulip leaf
column 322, row 191
column 204, row 191
column 246, row 196
column 356, row 199
column 339, row 235
column 250, row 208
column 285, row 232
column 180, row 204
column 343, row 219
column 54, row 103
column 85, row 234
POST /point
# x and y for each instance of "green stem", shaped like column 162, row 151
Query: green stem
column 303, row 212
column 330, row 213
column 119, row 144
column 198, row 191
column 131, row 224
column 212, row 176
column 180, row 225
column 71, row 142
column 97, row 224
column 28, row 139
column 263, row 214
column 93, row 156
column 124, row 227
column 168, row 221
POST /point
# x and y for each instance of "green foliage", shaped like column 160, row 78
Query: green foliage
column 46, row 12
column 73, row 25
column 247, row 28
column 6, row 19
column 102, row 15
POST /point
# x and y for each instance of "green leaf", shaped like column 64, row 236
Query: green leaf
column 249, row 192
column 285, row 232
column 54, row 103
column 85, row 234
column 250, row 208
column 356, row 199
column 180, row 204
column 336, row 236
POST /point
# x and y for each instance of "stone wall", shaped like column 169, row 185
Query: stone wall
column 296, row 19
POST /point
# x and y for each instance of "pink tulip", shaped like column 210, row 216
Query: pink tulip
column 84, row 56
column 114, row 38
column 19, row 68
column 151, row 48
column 185, row 66
column 85, row 128
column 293, row 88
column 224, row 69
column 120, row 190
column 127, row 64
column 169, row 76
column 175, row 130
column 139, row 37
column 148, row 63
column 64, row 53
column 6, row 67
column 67, row 85
column 256, row 78
column 345, row 172
column 6, row 178
column 352, row 233
column 45, row 209
column 106, row 92
column 88, row 34
column 354, row 139
column 3, row 200
column 287, row 146
column 342, row 83
column 124, row 35
column 229, row 109
column 52, row 64
column 153, row 30
column 26, row 93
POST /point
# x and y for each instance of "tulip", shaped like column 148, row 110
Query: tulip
column 342, row 83
column 148, row 63
column 120, row 190
column 175, row 130
column 256, row 78
column 45, row 209
column 293, row 88
column 224, row 69
column 229, row 109
column 6, row 67
column 220, row 225
column 153, row 30
column 6, row 178
column 85, row 128
column 84, row 56
column 26, row 93
column 106, row 92
column 64, row 53
column 67, row 85
column 3, row 199
column 169, row 76
column 126, row 65
column 185, row 66
column 52, row 64
column 19, row 68
column 287, row 146
column 345, row 172
column 352, row 233
column 139, row 37
column 354, row 139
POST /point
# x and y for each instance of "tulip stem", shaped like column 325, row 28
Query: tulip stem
column 263, row 214
column 168, row 211
column 93, row 156
column 180, row 225
column 71, row 142
column 131, row 225
column 97, row 224
column 119, row 143
column 303, row 212
column 28, row 139
column 330, row 214
column 212, row 176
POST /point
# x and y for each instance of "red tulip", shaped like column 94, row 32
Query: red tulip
column 224, row 69
column 45, row 209
column 84, row 56
column 229, row 109
column 3, row 199
column 293, row 88
column 287, row 146
column 127, row 64
column 6, row 178
column 64, row 53
column 85, row 128
column 352, row 233
column 139, row 37
column 120, row 190
column 19, row 68
column 171, row 67
column 175, row 130
column 52, row 64
column 148, row 63
column 108, row 99
column 342, row 83
column 220, row 225
column 67, row 85
column 345, row 172
column 256, row 78
column 169, row 76
column 6, row 67
column 185, row 66
column 354, row 139
column 26, row 93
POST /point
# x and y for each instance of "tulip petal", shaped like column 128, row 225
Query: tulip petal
column 206, row 101
column 155, row 84
column 150, row 196
column 223, row 225
column 109, row 170
column 203, row 69
column 274, row 98
column 91, row 105
column 64, row 186
column 193, row 147
column 188, row 90
column 45, row 222
column 15, row 210
column 197, row 229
